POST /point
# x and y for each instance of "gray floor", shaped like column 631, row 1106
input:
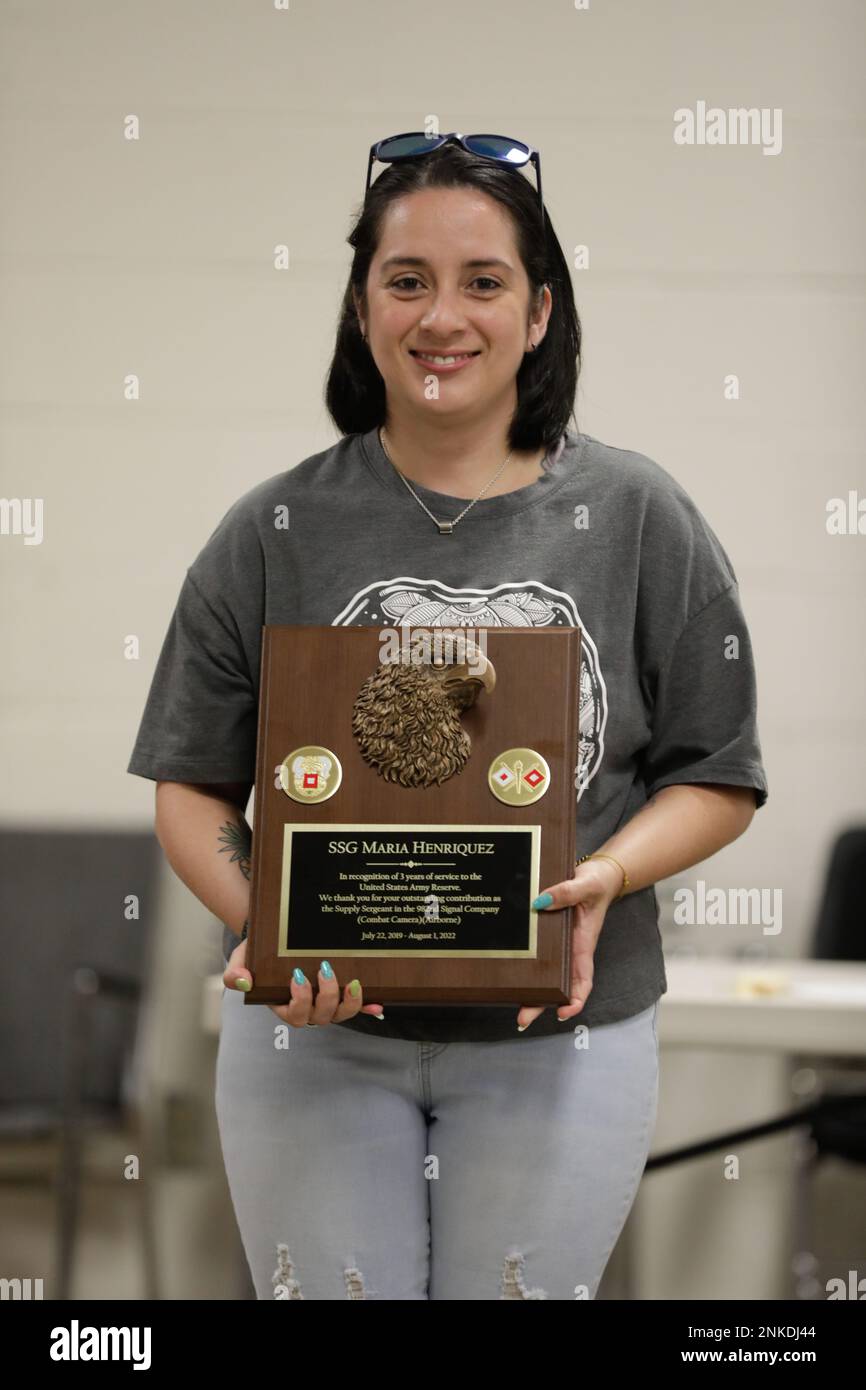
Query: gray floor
column 200, row 1253
column 200, row 1256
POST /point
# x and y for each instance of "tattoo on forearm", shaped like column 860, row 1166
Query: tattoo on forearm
column 239, row 839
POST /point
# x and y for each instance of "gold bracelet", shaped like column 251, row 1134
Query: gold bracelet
column 625, row 879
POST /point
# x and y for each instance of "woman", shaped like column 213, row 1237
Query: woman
column 487, row 1152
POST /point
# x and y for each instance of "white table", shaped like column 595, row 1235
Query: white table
column 815, row 1007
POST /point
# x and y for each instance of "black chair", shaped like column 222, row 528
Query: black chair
column 833, row 1125
column 838, row 1128
column 80, row 912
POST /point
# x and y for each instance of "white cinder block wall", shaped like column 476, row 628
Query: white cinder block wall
column 154, row 257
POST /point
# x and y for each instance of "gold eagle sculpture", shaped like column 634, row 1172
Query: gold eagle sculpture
column 406, row 716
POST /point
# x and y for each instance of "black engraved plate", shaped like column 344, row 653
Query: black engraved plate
column 393, row 890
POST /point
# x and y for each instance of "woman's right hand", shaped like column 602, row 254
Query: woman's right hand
column 328, row 1006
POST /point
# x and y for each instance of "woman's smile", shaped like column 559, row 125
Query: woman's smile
column 444, row 364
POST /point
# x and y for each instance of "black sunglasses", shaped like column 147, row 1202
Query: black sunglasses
column 415, row 143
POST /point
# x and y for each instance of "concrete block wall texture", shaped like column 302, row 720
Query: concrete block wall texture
column 154, row 256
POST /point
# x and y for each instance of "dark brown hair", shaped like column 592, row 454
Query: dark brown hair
column 547, row 378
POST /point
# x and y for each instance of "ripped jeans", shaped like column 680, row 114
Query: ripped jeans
column 363, row 1167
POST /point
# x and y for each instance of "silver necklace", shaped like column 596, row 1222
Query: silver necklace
column 445, row 527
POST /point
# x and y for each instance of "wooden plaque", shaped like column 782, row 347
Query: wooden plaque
column 421, row 892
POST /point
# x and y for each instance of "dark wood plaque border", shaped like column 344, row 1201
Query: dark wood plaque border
column 310, row 676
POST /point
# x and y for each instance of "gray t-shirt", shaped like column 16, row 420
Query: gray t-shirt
column 606, row 540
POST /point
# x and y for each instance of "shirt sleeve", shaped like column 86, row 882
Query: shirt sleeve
column 200, row 718
column 704, row 715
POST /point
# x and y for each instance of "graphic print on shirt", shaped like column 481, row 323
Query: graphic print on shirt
column 523, row 603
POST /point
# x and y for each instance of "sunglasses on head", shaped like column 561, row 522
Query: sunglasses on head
column 415, row 143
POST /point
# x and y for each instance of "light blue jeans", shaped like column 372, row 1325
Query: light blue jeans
column 363, row 1167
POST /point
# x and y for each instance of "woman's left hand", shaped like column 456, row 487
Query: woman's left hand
column 595, row 885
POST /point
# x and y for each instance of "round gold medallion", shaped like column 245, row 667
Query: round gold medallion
column 518, row 776
column 310, row 773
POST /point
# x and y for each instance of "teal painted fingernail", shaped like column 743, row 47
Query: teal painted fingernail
column 243, row 984
column 298, row 976
column 543, row 900
column 326, row 970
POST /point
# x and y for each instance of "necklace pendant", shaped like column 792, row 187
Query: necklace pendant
column 445, row 527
